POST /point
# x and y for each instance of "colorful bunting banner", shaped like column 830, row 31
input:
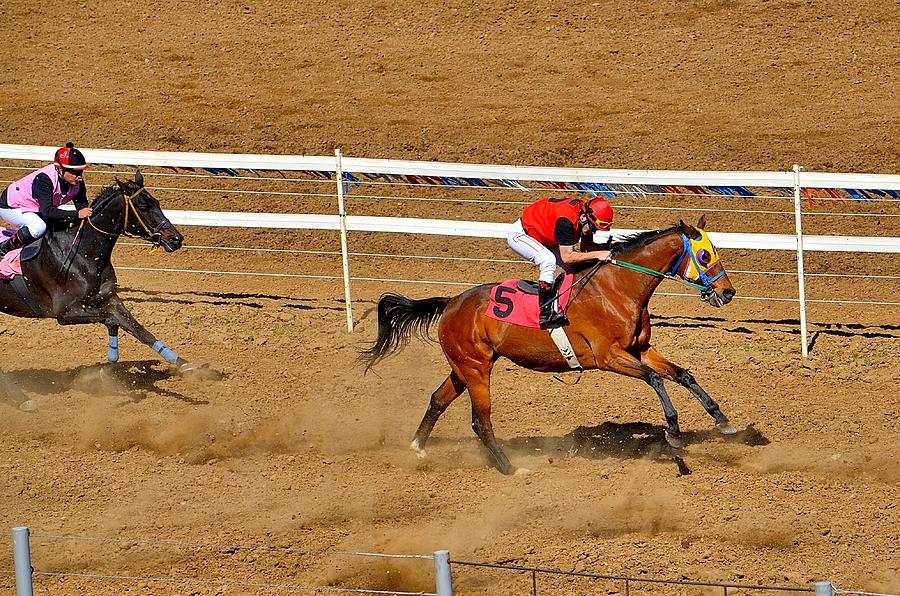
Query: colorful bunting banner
column 610, row 191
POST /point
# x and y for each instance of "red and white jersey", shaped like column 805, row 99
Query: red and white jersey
column 553, row 221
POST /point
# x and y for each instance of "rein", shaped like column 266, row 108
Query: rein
column 705, row 290
column 655, row 273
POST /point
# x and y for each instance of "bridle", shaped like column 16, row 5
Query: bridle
column 702, row 276
column 155, row 234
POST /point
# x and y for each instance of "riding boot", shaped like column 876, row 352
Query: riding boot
column 18, row 240
column 549, row 319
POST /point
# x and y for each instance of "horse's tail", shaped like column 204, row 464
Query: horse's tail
column 398, row 318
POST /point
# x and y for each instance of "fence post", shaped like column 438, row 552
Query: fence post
column 342, row 216
column 443, row 578
column 801, row 281
column 22, row 560
column 824, row 589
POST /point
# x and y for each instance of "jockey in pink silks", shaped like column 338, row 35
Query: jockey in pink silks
column 30, row 203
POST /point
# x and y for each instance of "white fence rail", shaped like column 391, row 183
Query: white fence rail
column 342, row 170
column 461, row 170
column 477, row 229
column 442, row 577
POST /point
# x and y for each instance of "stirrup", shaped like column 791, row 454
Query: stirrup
column 556, row 319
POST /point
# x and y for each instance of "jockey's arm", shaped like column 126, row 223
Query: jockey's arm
column 567, row 236
column 587, row 245
column 42, row 190
column 80, row 201
column 570, row 255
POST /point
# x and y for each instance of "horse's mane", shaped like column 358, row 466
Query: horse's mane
column 633, row 241
column 106, row 193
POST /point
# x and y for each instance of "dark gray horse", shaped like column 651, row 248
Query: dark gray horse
column 71, row 278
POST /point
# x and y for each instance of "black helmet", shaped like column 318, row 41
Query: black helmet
column 70, row 159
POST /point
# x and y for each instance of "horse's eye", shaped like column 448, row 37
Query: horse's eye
column 703, row 257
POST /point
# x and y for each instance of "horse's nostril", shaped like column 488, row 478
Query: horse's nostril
column 729, row 293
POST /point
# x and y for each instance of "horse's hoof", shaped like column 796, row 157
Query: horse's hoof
column 726, row 428
column 420, row 453
column 674, row 440
column 28, row 406
column 521, row 472
column 187, row 367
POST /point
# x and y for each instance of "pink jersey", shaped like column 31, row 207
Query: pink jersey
column 18, row 195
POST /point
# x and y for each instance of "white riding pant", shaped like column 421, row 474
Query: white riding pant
column 18, row 219
column 529, row 248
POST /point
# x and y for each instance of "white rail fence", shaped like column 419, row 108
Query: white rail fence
column 340, row 171
column 441, row 577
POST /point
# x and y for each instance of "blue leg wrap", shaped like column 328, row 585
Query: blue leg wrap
column 165, row 352
column 113, row 354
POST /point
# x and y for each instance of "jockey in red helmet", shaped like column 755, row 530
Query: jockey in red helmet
column 29, row 203
column 549, row 234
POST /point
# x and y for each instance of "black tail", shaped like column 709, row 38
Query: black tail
column 398, row 318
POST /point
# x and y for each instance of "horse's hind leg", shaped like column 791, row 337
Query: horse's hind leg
column 478, row 381
column 443, row 396
column 684, row 378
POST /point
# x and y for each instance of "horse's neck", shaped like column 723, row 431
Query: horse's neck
column 100, row 233
column 659, row 255
column 108, row 220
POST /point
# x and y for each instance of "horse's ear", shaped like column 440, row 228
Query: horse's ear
column 688, row 229
column 702, row 223
column 117, row 181
column 138, row 178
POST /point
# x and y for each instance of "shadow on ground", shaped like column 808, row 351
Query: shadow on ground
column 630, row 440
column 136, row 380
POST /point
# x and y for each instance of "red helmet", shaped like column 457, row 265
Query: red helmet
column 70, row 159
column 599, row 213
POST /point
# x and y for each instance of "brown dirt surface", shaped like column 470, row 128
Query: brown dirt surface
column 284, row 442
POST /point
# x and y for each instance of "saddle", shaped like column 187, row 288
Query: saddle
column 515, row 301
column 529, row 287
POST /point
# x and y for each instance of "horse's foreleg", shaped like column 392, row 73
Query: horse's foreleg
column 80, row 314
column 123, row 318
column 620, row 361
column 112, row 355
column 684, row 378
column 443, row 396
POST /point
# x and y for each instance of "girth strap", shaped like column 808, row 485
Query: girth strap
column 18, row 284
column 559, row 337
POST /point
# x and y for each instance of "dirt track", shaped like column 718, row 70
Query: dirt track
column 295, row 447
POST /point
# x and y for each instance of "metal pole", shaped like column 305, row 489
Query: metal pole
column 443, row 579
column 824, row 589
column 801, row 281
column 22, row 561
column 344, row 253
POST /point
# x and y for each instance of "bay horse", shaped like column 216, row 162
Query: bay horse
column 71, row 278
column 609, row 329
